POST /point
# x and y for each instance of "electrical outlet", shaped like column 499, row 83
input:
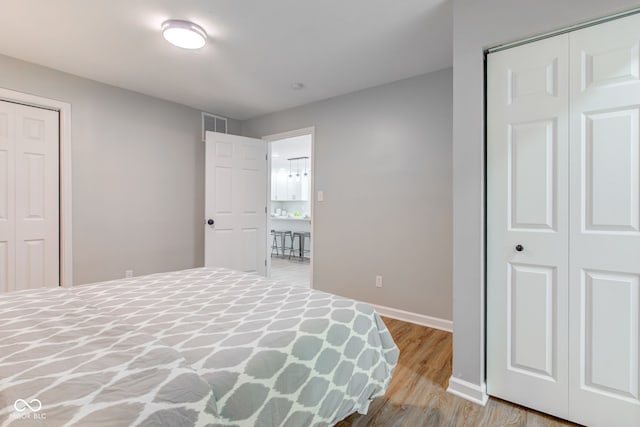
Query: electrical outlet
column 378, row 281
column 128, row 274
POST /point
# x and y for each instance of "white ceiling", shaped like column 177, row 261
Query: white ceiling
column 256, row 49
column 284, row 149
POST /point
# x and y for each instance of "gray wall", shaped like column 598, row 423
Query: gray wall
column 138, row 174
column 383, row 160
column 478, row 25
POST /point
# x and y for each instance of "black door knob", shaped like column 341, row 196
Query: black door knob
column 210, row 221
column 519, row 248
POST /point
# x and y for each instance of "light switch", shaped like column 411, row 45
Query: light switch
column 320, row 196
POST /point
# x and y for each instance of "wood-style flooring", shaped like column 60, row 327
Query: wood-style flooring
column 417, row 394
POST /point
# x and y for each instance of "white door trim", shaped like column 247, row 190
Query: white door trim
column 290, row 134
column 64, row 110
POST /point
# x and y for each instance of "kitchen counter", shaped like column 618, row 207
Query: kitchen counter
column 293, row 224
column 289, row 218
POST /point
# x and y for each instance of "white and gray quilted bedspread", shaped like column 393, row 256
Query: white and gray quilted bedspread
column 196, row 347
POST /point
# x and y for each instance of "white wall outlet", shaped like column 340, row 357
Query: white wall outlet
column 320, row 196
column 378, row 281
column 128, row 274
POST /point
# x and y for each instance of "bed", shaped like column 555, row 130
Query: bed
column 206, row 346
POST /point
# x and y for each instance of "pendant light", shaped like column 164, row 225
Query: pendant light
column 290, row 175
column 298, row 170
column 305, row 166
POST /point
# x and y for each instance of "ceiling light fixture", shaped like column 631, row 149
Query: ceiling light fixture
column 184, row 34
column 297, row 86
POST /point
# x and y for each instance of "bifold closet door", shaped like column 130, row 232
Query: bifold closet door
column 527, row 223
column 29, row 197
column 604, row 263
column 563, row 224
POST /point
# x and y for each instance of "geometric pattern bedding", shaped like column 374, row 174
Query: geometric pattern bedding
column 206, row 346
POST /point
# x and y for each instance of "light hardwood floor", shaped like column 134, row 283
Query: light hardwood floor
column 417, row 394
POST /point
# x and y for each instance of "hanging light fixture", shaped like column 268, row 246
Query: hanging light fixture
column 297, row 160
column 184, row 34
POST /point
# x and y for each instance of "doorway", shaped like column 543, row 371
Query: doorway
column 290, row 207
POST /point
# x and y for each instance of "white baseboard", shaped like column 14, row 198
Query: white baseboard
column 468, row 391
column 418, row 319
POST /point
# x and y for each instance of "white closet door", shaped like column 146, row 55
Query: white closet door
column 29, row 197
column 527, row 182
column 7, row 197
column 236, row 200
column 605, row 224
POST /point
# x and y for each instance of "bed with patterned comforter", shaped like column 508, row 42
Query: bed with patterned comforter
column 205, row 346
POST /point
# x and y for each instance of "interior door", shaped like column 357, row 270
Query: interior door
column 605, row 224
column 527, row 230
column 29, row 197
column 236, row 200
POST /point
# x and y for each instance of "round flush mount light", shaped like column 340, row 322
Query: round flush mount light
column 184, row 34
column 297, row 86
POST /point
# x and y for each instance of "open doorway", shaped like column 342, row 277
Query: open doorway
column 290, row 218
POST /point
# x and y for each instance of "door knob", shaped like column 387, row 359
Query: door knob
column 210, row 221
column 519, row 248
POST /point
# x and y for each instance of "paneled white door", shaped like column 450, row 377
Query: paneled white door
column 236, row 200
column 563, row 224
column 29, row 197
column 527, row 223
column 604, row 264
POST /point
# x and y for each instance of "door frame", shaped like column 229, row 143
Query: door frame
column 311, row 130
column 64, row 141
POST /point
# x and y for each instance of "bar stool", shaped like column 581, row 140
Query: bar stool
column 302, row 250
column 295, row 236
column 274, row 242
column 282, row 237
column 303, row 247
column 286, row 234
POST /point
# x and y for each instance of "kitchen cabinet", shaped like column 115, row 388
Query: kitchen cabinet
column 305, row 188
column 294, row 189
column 279, row 190
column 284, row 188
